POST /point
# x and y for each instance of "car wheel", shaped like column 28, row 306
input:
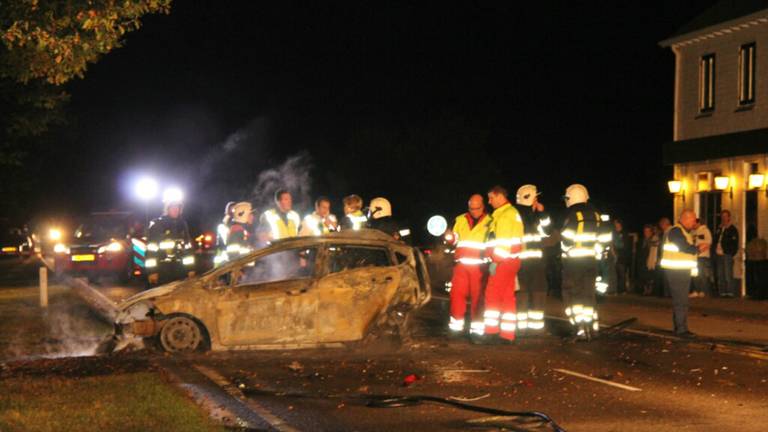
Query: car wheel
column 181, row 334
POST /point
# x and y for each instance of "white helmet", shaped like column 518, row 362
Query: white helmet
column 240, row 211
column 526, row 194
column 576, row 194
column 380, row 207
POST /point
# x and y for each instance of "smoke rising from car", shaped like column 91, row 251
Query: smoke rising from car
column 294, row 175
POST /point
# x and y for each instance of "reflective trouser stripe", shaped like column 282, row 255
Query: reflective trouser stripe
column 491, row 318
column 535, row 319
column 456, row 324
column 477, row 327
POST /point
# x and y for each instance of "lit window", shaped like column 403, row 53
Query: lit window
column 707, row 83
column 747, row 74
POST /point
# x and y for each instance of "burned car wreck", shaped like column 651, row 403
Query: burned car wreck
column 303, row 292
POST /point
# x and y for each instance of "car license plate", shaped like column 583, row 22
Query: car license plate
column 87, row 257
column 9, row 249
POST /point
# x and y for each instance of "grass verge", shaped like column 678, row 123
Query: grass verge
column 139, row 401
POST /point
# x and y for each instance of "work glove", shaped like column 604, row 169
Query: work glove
column 492, row 269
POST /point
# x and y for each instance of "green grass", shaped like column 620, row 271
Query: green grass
column 127, row 402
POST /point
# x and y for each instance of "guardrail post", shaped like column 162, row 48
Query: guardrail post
column 43, row 287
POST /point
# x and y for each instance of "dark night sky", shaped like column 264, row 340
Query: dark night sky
column 422, row 103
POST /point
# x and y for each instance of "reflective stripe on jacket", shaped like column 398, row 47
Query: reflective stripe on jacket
column 506, row 233
column 678, row 252
column 470, row 240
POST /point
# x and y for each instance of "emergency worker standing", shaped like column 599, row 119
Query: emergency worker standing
column 240, row 241
column 321, row 221
column 532, row 277
column 680, row 262
column 279, row 222
column 354, row 218
column 169, row 246
column 504, row 247
column 469, row 235
column 583, row 239
column 380, row 218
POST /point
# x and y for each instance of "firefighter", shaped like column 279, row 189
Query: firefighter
column 354, row 218
column 321, row 221
column 222, row 234
column 239, row 241
column 583, row 240
column 532, row 295
column 504, row 247
column 279, row 222
column 169, row 245
column 679, row 260
column 380, row 218
column 469, row 235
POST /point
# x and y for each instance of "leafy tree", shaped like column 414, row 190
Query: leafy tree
column 44, row 45
column 55, row 40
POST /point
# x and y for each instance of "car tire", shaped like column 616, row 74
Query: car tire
column 182, row 334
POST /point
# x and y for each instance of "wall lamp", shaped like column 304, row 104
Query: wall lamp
column 757, row 182
column 676, row 188
column 722, row 183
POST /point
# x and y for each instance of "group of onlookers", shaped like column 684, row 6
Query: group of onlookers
column 719, row 269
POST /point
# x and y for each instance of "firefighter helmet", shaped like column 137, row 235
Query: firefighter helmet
column 380, row 207
column 228, row 212
column 172, row 197
column 576, row 194
column 240, row 211
column 526, row 194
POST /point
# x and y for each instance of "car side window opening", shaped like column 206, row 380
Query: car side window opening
column 289, row 264
column 341, row 258
column 401, row 258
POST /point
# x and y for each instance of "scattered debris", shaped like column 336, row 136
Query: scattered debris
column 463, row 399
column 296, row 366
column 410, row 379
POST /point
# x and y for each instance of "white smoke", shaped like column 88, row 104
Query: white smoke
column 293, row 175
column 254, row 134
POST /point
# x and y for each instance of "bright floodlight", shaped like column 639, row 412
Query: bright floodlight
column 436, row 225
column 172, row 194
column 146, row 189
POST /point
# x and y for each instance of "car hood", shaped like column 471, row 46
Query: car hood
column 151, row 294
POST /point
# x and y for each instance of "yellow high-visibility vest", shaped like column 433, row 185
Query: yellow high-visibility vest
column 470, row 241
column 507, row 232
column 278, row 228
column 674, row 259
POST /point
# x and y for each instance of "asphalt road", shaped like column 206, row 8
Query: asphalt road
column 623, row 382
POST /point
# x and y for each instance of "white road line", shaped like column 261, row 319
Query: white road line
column 273, row 420
column 602, row 381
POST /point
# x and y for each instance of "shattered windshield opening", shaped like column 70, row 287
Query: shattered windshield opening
column 298, row 263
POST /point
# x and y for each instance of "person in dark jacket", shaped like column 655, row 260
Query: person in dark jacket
column 622, row 254
column 726, row 245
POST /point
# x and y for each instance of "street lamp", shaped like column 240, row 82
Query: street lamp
column 146, row 190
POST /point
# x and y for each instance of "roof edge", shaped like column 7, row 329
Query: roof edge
column 711, row 31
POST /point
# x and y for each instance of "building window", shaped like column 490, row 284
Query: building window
column 710, row 205
column 707, row 83
column 747, row 74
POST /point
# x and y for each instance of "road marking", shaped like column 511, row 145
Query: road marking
column 273, row 420
column 602, row 381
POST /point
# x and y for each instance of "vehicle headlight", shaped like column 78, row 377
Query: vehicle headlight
column 188, row 260
column 112, row 247
column 167, row 245
column 60, row 248
column 150, row 262
column 54, row 234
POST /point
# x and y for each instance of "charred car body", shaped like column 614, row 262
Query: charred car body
column 300, row 292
